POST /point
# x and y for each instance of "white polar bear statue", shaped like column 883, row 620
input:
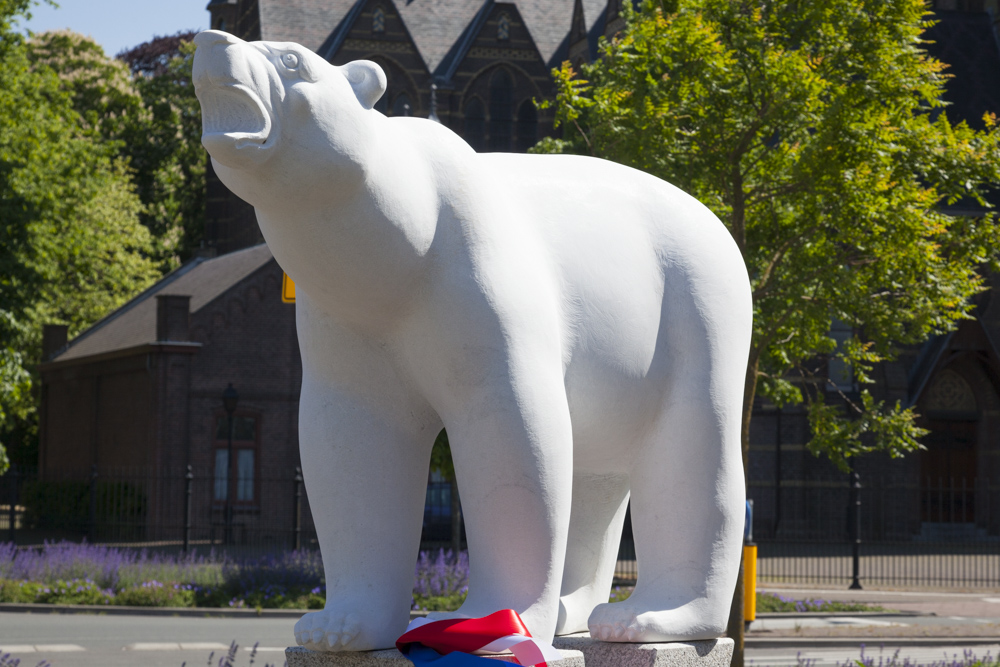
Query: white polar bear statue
column 580, row 328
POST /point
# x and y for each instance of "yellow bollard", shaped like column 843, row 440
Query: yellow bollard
column 749, row 583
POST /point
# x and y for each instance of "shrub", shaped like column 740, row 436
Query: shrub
column 19, row 591
column 156, row 594
column 773, row 602
column 74, row 591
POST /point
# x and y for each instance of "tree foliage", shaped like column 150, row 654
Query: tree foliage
column 815, row 132
column 71, row 243
column 168, row 159
column 143, row 103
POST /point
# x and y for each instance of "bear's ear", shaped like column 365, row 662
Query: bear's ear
column 367, row 79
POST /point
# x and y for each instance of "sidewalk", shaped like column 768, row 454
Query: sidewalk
column 928, row 617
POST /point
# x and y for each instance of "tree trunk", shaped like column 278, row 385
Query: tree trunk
column 735, row 628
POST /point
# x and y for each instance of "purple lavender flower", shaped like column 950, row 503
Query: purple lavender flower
column 443, row 575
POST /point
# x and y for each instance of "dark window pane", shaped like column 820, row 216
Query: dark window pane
column 501, row 111
column 527, row 126
column 402, row 106
column 475, row 123
column 221, row 474
column 244, row 474
column 244, row 428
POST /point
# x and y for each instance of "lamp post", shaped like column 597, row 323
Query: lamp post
column 230, row 399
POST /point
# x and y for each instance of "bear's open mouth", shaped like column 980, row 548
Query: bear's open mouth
column 236, row 112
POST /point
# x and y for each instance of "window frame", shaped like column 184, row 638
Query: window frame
column 238, row 445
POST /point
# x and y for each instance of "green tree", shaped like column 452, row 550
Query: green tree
column 143, row 103
column 168, row 159
column 71, row 244
column 815, row 131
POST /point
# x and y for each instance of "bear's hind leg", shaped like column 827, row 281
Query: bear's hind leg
column 595, row 528
column 687, row 519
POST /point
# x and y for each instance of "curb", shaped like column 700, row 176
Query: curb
column 117, row 610
column 868, row 642
column 842, row 614
column 121, row 610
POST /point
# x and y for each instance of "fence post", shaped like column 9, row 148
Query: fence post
column 297, row 518
column 855, row 526
column 92, row 527
column 12, row 478
column 188, row 479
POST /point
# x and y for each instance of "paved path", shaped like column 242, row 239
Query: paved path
column 85, row 640
column 93, row 640
column 943, row 602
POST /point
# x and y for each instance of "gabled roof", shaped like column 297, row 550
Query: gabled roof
column 308, row 22
column 134, row 324
column 437, row 27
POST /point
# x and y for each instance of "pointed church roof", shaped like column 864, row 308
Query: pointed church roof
column 436, row 26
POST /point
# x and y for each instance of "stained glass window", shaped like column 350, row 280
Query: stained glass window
column 503, row 27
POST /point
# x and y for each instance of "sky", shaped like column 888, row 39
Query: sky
column 120, row 24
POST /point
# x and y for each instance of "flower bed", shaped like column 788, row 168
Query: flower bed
column 69, row 573
column 773, row 602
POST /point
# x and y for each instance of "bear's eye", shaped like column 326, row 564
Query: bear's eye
column 290, row 60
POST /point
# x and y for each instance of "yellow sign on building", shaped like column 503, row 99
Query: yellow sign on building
column 287, row 289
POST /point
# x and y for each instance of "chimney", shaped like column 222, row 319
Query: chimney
column 173, row 317
column 54, row 339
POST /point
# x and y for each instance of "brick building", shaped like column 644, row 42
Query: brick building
column 138, row 397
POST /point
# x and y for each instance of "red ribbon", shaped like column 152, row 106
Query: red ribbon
column 464, row 634
column 499, row 632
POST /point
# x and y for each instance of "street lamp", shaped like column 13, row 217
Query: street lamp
column 230, row 399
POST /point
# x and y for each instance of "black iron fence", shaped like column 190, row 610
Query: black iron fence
column 932, row 532
column 890, row 531
column 182, row 508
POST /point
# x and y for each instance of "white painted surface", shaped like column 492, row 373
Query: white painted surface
column 579, row 327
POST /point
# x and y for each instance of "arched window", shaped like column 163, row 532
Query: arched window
column 220, row 24
column 475, row 123
column 503, row 28
column 501, row 110
column 527, row 126
column 378, row 20
column 401, row 106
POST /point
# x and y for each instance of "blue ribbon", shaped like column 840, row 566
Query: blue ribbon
column 421, row 656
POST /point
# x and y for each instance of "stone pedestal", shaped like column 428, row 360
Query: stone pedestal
column 300, row 657
column 704, row 653
column 577, row 650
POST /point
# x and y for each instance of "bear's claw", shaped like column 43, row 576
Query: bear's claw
column 327, row 630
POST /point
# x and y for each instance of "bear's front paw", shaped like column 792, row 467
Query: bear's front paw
column 328, row 630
